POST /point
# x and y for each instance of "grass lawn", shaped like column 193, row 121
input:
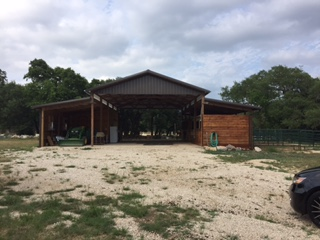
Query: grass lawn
column 19, row 144
column 287, row 159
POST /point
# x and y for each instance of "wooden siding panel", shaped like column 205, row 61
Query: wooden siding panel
column 231, row 129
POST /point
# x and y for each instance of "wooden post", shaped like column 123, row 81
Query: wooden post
column 251, row 140
column 92, row 119
column 201, row 119
column 194, row 120
column 42, row 128
column 101, row 115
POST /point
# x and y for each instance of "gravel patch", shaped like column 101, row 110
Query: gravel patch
column 249, row 202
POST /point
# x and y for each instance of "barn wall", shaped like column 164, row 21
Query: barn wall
column 232, row 129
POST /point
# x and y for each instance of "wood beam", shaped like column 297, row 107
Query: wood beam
column 92, row 120
column 201, row 119
column 42, row 128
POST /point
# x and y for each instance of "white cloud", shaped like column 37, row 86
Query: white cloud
column 206, row 43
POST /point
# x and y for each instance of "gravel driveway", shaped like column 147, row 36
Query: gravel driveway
column 250, row 203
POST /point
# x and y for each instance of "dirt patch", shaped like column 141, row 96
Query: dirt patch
column 249, row 202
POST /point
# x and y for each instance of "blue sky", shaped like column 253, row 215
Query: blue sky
column 208, row 43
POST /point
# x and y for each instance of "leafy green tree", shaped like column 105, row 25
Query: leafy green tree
column 69, row 85
column 39, row 71
column 96, row 82
column 15, row 114
column 52, row 85
column 283, row 93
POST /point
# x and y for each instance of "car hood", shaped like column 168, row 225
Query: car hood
column 310, row 170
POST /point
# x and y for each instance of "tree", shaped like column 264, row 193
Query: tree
column 69, row 85
column 39, row 71
column 96, row 82
column 52, row 85
column 283, row 93
column 16, row 115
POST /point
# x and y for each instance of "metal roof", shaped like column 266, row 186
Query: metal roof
column 68, row 104
column 151, row 90
column 148, row 89
column 214, row 106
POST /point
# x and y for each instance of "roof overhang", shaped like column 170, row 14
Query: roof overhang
column 214, row 106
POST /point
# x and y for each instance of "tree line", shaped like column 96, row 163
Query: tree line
column 289, row 97
column 44, row 84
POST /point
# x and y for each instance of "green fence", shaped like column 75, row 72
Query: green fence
column 293, row 137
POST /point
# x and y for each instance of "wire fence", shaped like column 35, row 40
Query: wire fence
column 285, row 137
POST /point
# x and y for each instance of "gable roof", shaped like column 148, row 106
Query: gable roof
column 148, row 82
column 148, row 89
column 151, row 90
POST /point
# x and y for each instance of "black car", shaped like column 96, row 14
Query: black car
column 305, row 193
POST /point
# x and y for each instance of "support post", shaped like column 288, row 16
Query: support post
column 42, row 128
column 201, row 119
column 92, row 119
column 194, row 120
column 101, row 116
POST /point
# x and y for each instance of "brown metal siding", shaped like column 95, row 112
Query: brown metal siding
column 148, row 85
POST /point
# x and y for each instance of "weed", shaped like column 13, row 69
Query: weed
column 144, row 181
column 231, row 237
column 70, row 166
column 161, row 218
column 20, row 193
column 141, row 168
column 213, row 213
column 112, row 177
column 38, row 170
column 86, row 148
column 12, row 183
column 60, row 191
column 129, row 197
column 309, row 231
column 289, row 178
column 90, row 194
column 263, row 218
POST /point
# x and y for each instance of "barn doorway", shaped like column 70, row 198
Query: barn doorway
column 150, row 124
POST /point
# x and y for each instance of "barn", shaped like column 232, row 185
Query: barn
column 99, row 112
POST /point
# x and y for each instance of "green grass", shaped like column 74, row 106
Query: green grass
column 286, row 158
column 18, row 144
column 90, row 219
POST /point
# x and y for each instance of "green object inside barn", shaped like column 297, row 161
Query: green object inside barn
column 77, row 136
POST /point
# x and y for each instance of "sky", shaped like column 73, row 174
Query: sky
column 207, row 43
